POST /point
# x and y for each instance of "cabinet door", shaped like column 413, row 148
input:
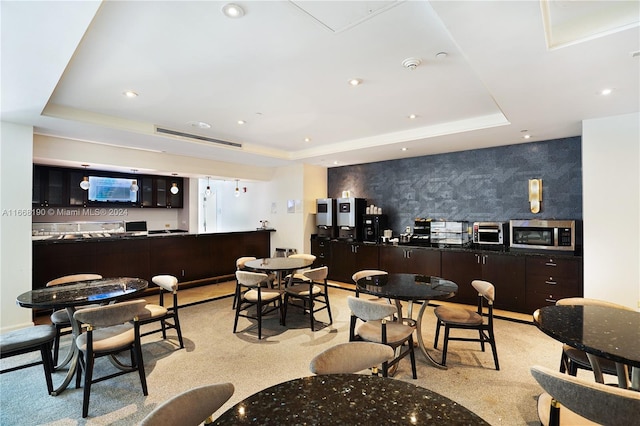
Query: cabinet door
column 77, row 195
column 507, row 274
column 146, row 191
column 160, row 189
column 348, row 258
column 321, row 250
column 175, row 200
column 462, row 268
column 410, row 260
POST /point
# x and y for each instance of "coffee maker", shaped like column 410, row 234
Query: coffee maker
column 350, row 213
column 373, row 226
column 326, row 218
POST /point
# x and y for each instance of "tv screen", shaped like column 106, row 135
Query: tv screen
column 111, row 190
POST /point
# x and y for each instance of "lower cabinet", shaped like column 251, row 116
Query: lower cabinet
column 410, row 260
column 551, row 278
column 350, row 257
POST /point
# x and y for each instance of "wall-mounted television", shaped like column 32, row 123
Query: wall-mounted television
column 111, row 190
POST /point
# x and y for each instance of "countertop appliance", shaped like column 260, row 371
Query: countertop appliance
column 373, row 226
column 449, row 233
column 553, row 235
column 421, row 235
column 491, row 233
column 326, row 218
column 350, row 212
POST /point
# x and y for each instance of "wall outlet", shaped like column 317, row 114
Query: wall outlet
column 167, row 225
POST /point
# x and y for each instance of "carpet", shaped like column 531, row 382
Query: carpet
column 214, row 354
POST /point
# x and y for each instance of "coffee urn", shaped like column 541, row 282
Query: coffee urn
column 373, row 226
column 326, row 225
column 350, row 214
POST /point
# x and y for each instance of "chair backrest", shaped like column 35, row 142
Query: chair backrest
column 370, row 311
column 485, row 289
column 303, row 256
column 317, row 274
column 73, row 278
column 108, row 315
column 594, row 401
column 251, row 279
column 191, row 407
column 350, row 357
column 167, row 282
column 583, row 301
column 242, row 260
column 367, row 273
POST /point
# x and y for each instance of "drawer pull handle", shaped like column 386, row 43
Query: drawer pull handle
column 550, row 300
column 551, row 282
column 550, row 264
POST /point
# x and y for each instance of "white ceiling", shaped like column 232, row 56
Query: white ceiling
column 284, row 68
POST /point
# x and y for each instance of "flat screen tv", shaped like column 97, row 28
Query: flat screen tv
column 111, row 190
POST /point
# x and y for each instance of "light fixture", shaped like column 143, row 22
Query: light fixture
column 404, row 148
column 237, row 192
column 441, row 55
column 606, row 92
column 231, row 10
column 207, row 191
column 134, row 183
column 412, row 116
column 85, row 179
column 130, row 94
column 535, row 194
column 241, row 122
column 199, row 124
column 174, row 186
column 355, row 82
column 411, row 63
column 307, row 139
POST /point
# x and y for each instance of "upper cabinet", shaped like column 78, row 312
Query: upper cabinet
column 60, row 187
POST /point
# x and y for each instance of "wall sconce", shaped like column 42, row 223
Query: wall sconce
column 207, row 191
column 134, row 183
column 85, row 180
column 237, row 192
column 535, row 194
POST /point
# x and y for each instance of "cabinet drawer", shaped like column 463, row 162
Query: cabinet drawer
column 552, row 283
column 554, row 267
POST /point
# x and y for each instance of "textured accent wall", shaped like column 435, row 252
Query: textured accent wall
column 488, row 184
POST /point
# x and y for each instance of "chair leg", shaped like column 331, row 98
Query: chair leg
column 435, row 341
column 311, row 304
column 176, row 322
column 140, row 363
column 238, row 308
column 412, row 355
column 482, row 339
column 260, row 319
column 445, row 345
column 284, row 309
column 56, row 346
column 492, row 342
column 88, row 377
column 326, row 301
column 47, row 363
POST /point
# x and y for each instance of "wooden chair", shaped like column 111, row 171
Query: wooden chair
column 351, row 357
column 452, row 317
column 111, row 329
column 190, row 408
column 313, row 293
column 253, row 293
column 168, row 316
column 369, row 323
column 569, row 400
column 240, row 267
column 30, row 339
column 298, row 276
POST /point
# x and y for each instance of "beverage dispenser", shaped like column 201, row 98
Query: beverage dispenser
column 350, row 214
column 373, row 226
column 326, row 218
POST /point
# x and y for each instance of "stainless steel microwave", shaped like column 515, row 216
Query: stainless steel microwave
column 535, row 234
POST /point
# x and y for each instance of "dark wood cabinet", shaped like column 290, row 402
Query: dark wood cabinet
column 550, row 278
column 155, row 191
column 411, row 260
column 350, row 257
column 321, row 250
column 506, row 272
column 189, row 257
column 51, row 187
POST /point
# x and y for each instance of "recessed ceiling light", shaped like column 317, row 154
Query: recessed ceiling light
column 412, row 116
column 241, row 122
column 307, row 139
column 404, row 148
column 335, row 162
column 606, row 92
column 199, row 124
column 231, row 10
column 130, row 94
column 355, row 82
column 526, row 136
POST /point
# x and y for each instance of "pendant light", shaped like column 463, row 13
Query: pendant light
column 207, row 191
column 237, row 193
column 174, row 186
column 134, row 183
column 85, row 180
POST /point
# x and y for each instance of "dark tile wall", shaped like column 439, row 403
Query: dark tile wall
column 488, row 184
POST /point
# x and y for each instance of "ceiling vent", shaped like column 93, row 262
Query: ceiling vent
column 195, row 138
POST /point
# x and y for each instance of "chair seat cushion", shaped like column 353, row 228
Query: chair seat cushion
column 267, row 295
column 153, row 311
column 26, row 338
column 303, row 290
column 108, row 338
column 567, row 417
column 396, row 332
column 454, row 315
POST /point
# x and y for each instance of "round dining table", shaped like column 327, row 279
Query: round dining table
column 279, row 265
column 73, row 295
column 410, row 288
column 347, row 399
column 603, row 331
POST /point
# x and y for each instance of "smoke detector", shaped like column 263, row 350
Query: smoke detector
column 411, row 63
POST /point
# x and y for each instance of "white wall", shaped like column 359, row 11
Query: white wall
column 15, row 226
column 611, row 209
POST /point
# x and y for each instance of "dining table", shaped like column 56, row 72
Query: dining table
column 279, row 265
column 73, row 295
column 603, row 331
column 347, row 399
column 410, row 288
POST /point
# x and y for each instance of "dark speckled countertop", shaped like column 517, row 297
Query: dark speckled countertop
column 347, row 399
